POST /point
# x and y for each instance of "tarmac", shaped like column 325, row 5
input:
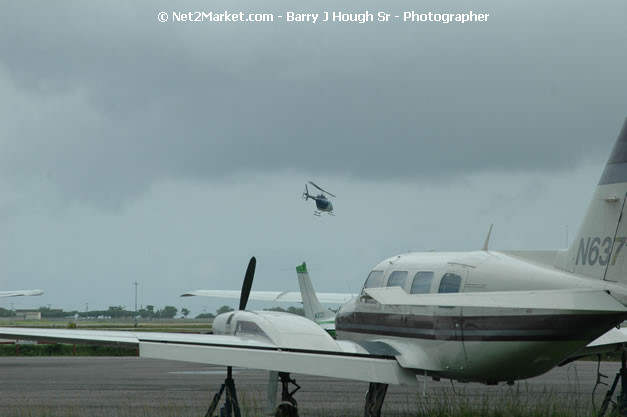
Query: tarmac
column 131, row 386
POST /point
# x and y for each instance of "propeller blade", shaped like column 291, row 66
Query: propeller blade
column 320, row 188
column 248, row 283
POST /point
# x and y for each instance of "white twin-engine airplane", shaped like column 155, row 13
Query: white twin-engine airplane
column 483, row 316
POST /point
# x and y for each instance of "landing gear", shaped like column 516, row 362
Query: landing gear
column 621, row 400
column 288, row 406
column 231, row 405
column 374, row 399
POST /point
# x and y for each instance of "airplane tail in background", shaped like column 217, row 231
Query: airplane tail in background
column 313, row 309
column 598, row 250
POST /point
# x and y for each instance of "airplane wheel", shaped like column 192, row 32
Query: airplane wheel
column 286, row 410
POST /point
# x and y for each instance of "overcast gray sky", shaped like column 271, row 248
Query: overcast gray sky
column 169, row 153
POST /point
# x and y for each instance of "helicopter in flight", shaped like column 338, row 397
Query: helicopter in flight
column 323, row 204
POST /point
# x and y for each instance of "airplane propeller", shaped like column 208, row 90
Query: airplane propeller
column 320, row 188
column 248, row 283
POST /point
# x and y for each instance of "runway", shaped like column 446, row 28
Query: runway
column 130, row 386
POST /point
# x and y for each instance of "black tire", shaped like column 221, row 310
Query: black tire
column 286, row 410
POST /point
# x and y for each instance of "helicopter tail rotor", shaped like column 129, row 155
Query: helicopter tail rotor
column 306, row 193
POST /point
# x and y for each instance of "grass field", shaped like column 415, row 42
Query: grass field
column 182, row 325
column 50, row 349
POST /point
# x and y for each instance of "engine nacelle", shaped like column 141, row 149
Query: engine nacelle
column 281, row 329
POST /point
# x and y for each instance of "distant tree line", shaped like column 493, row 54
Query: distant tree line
column 114, row 312
column 225, row 309
column 299, row 311
column 168, row 312
column 149, row 312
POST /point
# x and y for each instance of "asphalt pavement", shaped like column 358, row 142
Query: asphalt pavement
column 131, row 386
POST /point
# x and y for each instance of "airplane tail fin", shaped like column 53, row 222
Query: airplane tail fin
column 598, row 250
column 313, row 309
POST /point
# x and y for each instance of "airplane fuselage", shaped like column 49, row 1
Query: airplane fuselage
column 475, row 343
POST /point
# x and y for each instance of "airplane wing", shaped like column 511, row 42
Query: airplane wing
column 285, row 296
column 18, row 293
column 612, row 341
column 611, row 338
column 312, row 352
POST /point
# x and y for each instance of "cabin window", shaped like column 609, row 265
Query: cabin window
column 374, row 280
column 422, row 282
column 450, row 283
column 397, row 279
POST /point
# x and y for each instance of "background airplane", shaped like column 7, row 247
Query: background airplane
column 312, row 301
column 19, row 293
column 482, row 316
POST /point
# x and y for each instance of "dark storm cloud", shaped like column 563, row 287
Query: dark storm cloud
column 103, row 100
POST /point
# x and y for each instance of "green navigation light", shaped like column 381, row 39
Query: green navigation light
column 302, row 269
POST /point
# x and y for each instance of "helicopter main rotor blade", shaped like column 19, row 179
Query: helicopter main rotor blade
column 248, row 283
column 320, row 188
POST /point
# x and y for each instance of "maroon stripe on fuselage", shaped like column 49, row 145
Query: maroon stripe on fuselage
column 531, row 327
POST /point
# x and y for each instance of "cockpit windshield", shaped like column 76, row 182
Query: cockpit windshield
column 374, row 280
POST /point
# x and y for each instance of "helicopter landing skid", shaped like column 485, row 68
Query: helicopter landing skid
column 316, row 213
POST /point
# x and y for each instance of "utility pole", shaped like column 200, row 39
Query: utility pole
column 135, row 283
column 11, row 306
column 86, row 307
